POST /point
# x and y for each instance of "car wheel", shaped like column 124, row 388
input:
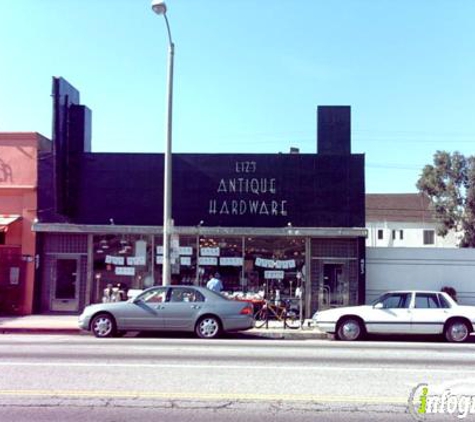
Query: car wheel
column 457, row 331
column 103, row 325
column 350, row 329
column 208, row 327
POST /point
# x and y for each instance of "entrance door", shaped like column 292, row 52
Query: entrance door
column 65, row 285
column 335, row 289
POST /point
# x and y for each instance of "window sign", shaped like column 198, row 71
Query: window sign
column 285, row 265
column 207, row 261
column 270, row 263
column 274, row 275
column 231, row 262
column 265, row 263
column 124, row 270
column 116, row 260
column 185, row 261
column 136, row 260
column 14, row 276
column 186, row 250
column 141, row 248
column 209, row 251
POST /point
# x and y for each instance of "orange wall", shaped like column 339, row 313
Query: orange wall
column 18, row 196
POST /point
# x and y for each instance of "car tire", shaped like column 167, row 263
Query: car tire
column 350, row 329
column 208, row 327
column 457, row 331
column 103, row 325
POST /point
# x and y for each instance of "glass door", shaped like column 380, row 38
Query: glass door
column 65, row 285
column 335, row 288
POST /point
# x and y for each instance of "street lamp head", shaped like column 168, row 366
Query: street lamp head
column 159, row 7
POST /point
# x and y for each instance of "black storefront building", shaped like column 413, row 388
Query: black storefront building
column 265, row 222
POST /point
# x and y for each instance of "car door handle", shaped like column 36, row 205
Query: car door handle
column 195, row 307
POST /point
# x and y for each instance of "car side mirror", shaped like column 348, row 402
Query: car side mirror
column 378, row 306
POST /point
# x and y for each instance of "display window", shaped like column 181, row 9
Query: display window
column 121, row 263
column 183, row 258
column 275, row 265
column 223, row 255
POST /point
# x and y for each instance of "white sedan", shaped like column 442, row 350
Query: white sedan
column 401, row 312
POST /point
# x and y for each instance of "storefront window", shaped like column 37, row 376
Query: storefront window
column 121, row 263
column 266, row 264
column 222, row 255
column 183, row 259
column 274, row 265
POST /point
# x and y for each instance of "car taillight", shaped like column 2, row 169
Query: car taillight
column 248, row 310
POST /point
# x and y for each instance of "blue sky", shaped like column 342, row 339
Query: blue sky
column 249, row 75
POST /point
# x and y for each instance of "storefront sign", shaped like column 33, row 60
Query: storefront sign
column 274, row 275
column 231, row 262
column 247, row 194
column 124, row 270
column 207, row 261
column 209, row 251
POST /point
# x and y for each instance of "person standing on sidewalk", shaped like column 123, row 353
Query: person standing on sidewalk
column 215, row 284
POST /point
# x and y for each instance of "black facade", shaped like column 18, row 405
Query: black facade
column 312, row 200
column 304, row 190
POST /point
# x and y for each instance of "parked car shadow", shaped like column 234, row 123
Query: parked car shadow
column 238, row 335
column 411, row 338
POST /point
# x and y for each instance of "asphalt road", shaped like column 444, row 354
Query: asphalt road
column 80, row 378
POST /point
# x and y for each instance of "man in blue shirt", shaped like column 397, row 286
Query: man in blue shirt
column 215, row 284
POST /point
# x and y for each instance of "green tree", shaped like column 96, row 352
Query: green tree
column 450, row 185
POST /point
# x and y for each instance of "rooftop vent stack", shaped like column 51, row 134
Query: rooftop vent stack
column 334, row 130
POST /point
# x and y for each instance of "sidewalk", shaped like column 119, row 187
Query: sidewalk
column 67, row 324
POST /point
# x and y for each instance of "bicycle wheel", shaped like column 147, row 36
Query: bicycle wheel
column 292, row 320
column 260, row 318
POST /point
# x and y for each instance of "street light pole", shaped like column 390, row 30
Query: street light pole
column 160, row 8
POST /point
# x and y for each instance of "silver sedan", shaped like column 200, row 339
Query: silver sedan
column 169, row 308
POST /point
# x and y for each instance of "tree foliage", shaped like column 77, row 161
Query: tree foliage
column 450, row 185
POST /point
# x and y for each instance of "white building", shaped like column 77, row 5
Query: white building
column 403, row 220
column 421, row 268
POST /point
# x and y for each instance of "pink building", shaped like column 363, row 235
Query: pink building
column 19, row 154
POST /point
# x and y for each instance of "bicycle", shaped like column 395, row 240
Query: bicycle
column 283, row 313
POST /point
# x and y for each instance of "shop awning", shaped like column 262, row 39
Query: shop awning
column 6, row 220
